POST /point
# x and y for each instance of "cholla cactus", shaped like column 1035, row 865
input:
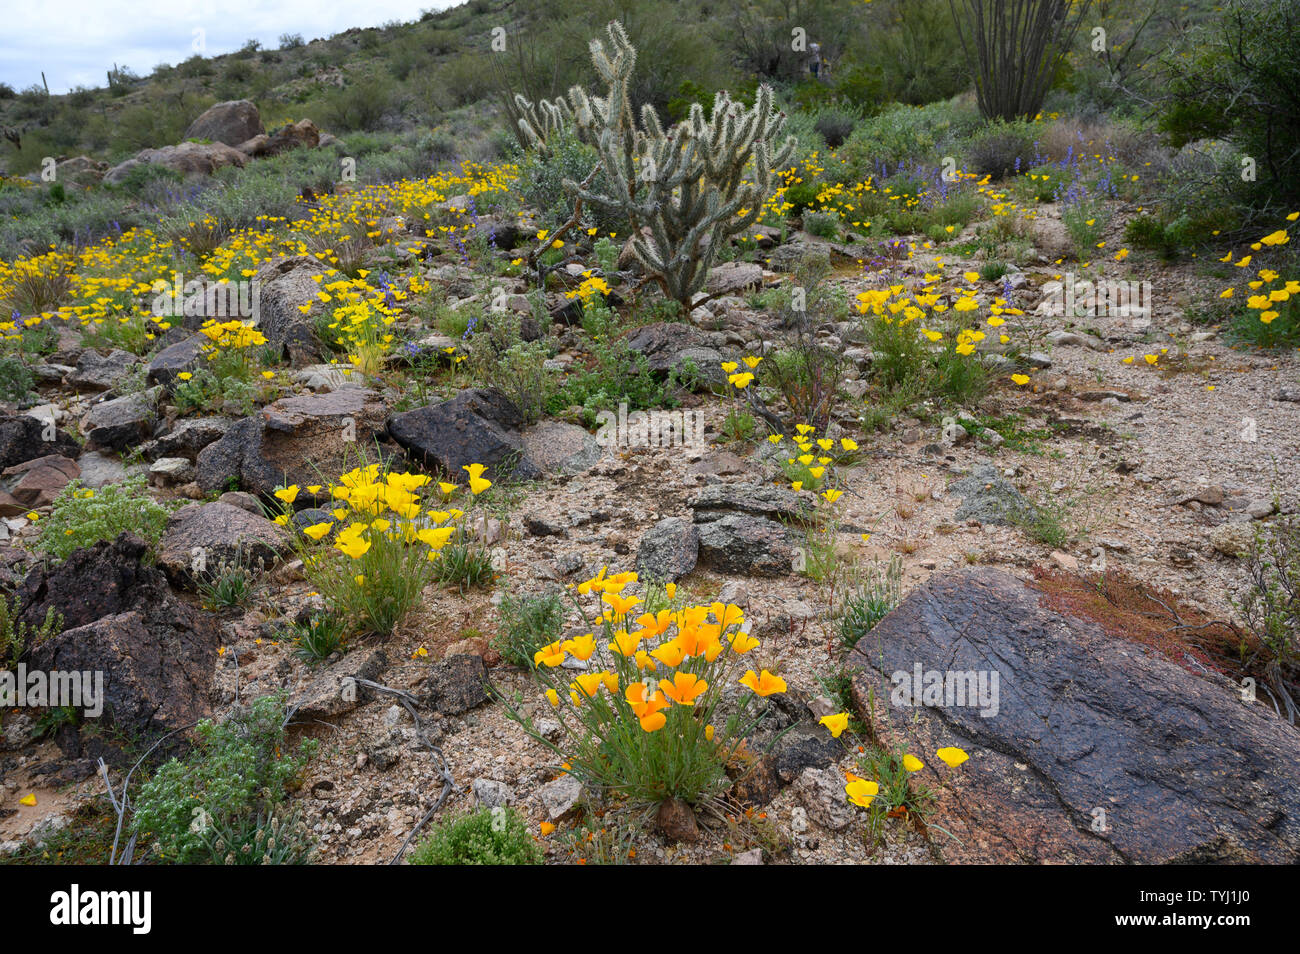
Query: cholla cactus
column 692, row 187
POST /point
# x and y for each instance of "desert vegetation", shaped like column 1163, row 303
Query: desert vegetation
column 556, row 432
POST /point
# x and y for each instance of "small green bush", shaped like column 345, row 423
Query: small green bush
column 82, row 517
column 874, row 597
column 485, row 837
column 16, row 379
column 1270, row 599
column 16, row 637
column 527, row 624
column 239, row 771
column 541, row 183
column 1238, row 83
column 1001, row 149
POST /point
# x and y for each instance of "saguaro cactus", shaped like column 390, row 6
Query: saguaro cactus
column 691, row 187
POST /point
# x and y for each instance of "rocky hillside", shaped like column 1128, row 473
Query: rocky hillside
column 945, row 523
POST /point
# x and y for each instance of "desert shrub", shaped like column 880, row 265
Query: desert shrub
column 517, row 368
column 1156, row 233
column 541, row 182
column 808, row 375
column 618, row 376
column 1001, row 149
column 82, row 517
column 16, row 637
column 872, row 598
column 489, row 836
column 911, row 53
column 804, row 372
column 822, row 224
column 239, row 770
column 1239, row 82
column 360, row 105
column 1269, row 601
column 16, row 379
column 527, row 624
column 835, row 125
column 904, row 133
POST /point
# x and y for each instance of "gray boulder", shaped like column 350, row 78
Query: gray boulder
column 122, row 422
column 200, row 537
column 989, row 498
column 668, row 551
column 232, row 123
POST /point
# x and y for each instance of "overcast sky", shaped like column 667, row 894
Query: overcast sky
column 76, row 41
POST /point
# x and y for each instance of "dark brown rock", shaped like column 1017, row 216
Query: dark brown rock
column 158, row 655
column 24, row 438
column 1100, row 750
column 477, row 426
column 676, row 821
column 306, row 439
column 36, row 483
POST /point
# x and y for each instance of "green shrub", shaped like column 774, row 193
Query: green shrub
column 1001, row 149
column 905, row 132
column 822, row 224
column 359, row 105
column 541, row 183
column 527, row 624
column 485, row 837
column 1239, row 82
column 1270, row 600
column 238, row 771
column 517, row 368
column 16, row 638
column 871, row 600
column 16, row 379
column 82, row 517
column 911, row 54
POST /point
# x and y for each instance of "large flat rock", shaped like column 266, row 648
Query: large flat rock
column 1096, row 749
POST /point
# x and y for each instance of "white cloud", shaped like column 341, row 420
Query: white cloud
column 77, row 42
